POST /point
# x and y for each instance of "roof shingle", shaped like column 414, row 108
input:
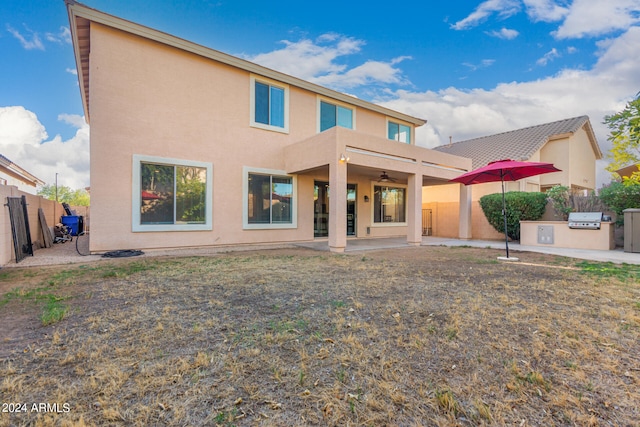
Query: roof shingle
column 518, row 144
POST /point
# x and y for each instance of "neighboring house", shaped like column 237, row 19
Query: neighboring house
column 569, row 144
column 628, row 171
column 12, row 174
column 192, row 147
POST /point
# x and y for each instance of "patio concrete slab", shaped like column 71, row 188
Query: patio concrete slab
column 67, row 254
column 354, row 245
column 617, row 256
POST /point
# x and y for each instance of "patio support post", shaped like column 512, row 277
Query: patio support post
column 464, row 227
column 337, row 206
column 414, row 210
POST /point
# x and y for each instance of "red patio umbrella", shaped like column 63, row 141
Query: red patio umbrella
column 505, row 170
column 147, row 195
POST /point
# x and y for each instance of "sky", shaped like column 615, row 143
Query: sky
column 470, row 68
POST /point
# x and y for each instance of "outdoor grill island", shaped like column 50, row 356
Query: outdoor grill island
column 583, row 230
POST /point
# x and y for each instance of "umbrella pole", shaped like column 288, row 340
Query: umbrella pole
column 504, row 215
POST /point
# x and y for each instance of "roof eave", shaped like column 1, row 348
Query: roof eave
column 20, row 173
column 592, row 139
column 83, row 72
column 77, row 10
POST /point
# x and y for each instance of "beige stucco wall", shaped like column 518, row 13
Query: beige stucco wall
column 12, row 180
column 445, row 220
column 150, row 99
column 443, row 199
column 575, row 157
column 558, row 153
column 565, row 237
column 153, row 100
column 583, row 172
column 52, row 212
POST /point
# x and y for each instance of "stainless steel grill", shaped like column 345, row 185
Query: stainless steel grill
column 585, row 220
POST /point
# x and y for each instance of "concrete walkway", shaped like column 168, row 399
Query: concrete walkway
column 617, row 256
column 68, row 254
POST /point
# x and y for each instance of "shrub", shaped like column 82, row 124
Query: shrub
column 618, row 197
column 564, row 201
column 521, row 206
column 560, row 199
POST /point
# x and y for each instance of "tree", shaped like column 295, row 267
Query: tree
column 619, row 196
column 65, row 195
column 560, row 198
column 625, row 137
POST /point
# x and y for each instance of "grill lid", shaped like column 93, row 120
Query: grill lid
column 585, row 216
column 585, row 220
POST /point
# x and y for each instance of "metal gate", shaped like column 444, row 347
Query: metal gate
column 427, row 229
column 20, row 227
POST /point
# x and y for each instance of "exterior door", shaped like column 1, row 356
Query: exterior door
column 351, row 209
column 321, row 209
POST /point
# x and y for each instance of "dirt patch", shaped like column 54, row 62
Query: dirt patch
column 429, row 335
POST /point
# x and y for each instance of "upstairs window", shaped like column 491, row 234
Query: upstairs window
column 269, row 105
column 399, row 132
column 332, row 115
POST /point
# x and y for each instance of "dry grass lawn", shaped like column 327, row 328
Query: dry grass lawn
column 406, row 337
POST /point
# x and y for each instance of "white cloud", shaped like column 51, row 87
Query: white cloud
column 463, row 114
column 505, row 33
column 23, row 139
column 578, row 18
column 483, row 64
column 63, row 36
column 549, row 56
column 602, row 90
column 545, row 10
column 316, row 61
column 72, row 71
column 371, row 72
column 307, row 59
column 33, row 43
column 587, row 18
column 504, row 9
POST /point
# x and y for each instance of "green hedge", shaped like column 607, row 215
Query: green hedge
column 521, row 206
column 619, row 196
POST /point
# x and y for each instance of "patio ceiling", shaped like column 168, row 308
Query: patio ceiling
column 370, row 155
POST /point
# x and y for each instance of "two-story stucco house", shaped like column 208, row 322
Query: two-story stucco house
column 192, row 147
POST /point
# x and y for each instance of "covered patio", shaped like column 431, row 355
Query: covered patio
column 341, row 156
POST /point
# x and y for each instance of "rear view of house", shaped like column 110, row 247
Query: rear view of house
column 193, row 147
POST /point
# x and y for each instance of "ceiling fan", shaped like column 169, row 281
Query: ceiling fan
column 385, row 178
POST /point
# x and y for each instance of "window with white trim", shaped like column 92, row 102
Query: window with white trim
column 332, row 115
column 399, row 132
column 389, row 204
column 171, row 194
column 269, row 105
column 269, row 199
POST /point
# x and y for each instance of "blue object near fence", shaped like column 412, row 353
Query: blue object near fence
column 71, row 221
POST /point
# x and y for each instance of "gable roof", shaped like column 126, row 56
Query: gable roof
column 519, row 144
column 627, row 171
column 81, row 16
column 16, row 171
